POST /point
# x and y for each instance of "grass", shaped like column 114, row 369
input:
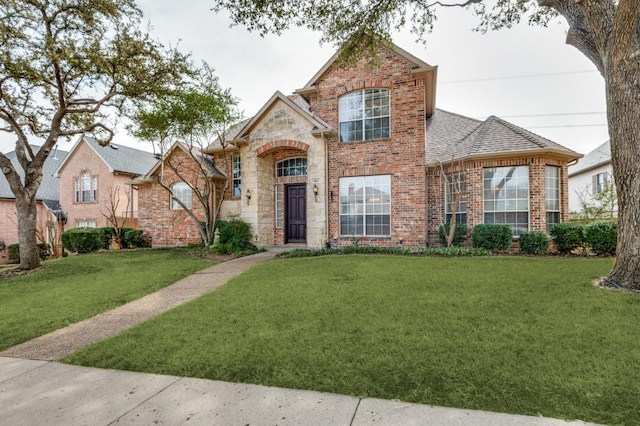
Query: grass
column 71, row 289
column 520, row 335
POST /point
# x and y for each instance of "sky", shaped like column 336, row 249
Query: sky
column 525, row 75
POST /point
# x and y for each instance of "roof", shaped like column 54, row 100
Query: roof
column 230, row 135
column 119, row 158
column 601, row 156
column 296, row 102
column 205, row 159
column 49, row 188
column 455, row 137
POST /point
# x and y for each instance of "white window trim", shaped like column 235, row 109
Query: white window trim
column 179, row 194
column 363, row 119
column 507, row 200
column 364, row 206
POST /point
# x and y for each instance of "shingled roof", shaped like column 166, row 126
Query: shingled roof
column 49, row 188
column 599, row 157
column 119, row 158
column 452, row 137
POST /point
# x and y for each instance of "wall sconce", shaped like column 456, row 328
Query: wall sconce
column 400, row 240
column 248, row 194
column 315, row 192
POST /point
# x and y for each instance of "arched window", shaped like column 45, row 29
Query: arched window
column 291, row 167
column 364, row 115
column 182, row 192
column 86, row 188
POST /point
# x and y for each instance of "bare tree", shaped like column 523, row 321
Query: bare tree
column 111, row 209
column 455, row 192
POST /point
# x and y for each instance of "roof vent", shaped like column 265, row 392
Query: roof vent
column 113, row 146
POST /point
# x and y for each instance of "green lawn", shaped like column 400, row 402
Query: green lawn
column 71, row 289
column 509, row 334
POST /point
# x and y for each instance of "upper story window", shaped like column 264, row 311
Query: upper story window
column 291, row 167
column 506, row 197
column 181, row 191
column 86, row 188
column 237, row 176
column 364, row 115
column 85, row 223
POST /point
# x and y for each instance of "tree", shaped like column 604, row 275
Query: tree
column 110, row 211
column 198, row 113
column 597, row 206
column 607, row 32
column 65, row 66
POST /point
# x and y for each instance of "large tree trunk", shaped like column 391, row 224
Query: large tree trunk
column 622, row 79
column 27, row 222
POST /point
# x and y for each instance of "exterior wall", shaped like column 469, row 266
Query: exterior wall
column 581, row 185
column 282, row 133
column 9, row 226
column 168, row 227
column 85, row 158
column 401, row 155
column 475, row 192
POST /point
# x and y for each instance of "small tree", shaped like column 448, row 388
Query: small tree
column 110, row 211
column 455, row 193
column 602, row 205
column 199, row 112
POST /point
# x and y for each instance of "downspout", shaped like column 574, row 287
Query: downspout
column 326, row 189
column 426, row 203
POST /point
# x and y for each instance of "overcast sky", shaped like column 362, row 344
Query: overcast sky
column 526, row 75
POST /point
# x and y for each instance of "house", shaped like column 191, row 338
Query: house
column 591, row 175
column 50, row 216
column 361, row 155
column 92, row 181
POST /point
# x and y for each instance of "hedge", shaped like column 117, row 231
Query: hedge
column 492, row 236
column 534, row 242
column 83, row 240
column 567, row 236
column 602, row 237
column 14, row 252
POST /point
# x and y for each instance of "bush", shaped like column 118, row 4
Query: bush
column 107, row 236
column 602, row 237
column 82, row 240
column 134, row 238
column 14, row 252
column 403, row 251
column 567, row 236
column 236, row 234
column 492, row 236
column 458, row 235
column 534, row 242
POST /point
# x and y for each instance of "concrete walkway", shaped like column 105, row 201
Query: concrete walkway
column 36, row 391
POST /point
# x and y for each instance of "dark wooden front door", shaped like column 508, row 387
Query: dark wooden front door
column 296, row 214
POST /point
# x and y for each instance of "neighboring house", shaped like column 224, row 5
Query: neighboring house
column 50, row 216
column 361, row 155
column 93, row 179
column 589, row 176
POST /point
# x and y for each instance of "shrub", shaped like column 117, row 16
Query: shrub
column 82, row 240
column 14, row 252
column 458, row 235
column 134, row 238
column 567, row 236
column 107, row 236
column 602, row 237
column 405, row 251
column 534, row 242
column 235, row 232
column 492, row 236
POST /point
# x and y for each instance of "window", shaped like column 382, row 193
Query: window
column 455, row 191
column 599, row 183
column 365, row 206
column 291, row 167
column 278, row 200
column 364, row 115
column 182, row 192
column 84, row 223
column 506, row 197
column 86, row 188
column 552, row 179
column 237, row 176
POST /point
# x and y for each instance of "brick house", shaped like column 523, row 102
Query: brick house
column 50, row 217
column 362, row 155
column 92, row 178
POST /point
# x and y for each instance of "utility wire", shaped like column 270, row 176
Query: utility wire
column 567, row 125
column 512, row 77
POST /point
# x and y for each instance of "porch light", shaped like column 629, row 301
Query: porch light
column 315, row 192
column 248, row 194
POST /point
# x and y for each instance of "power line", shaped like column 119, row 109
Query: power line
column 512, row 77
column 555, row 114
column 567, row 125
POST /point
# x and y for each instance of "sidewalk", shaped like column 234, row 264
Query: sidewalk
column 36, row 391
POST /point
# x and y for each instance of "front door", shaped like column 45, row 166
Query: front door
column 296, row 214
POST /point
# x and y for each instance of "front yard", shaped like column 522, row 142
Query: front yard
column 508, row 334
column 71, row 289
